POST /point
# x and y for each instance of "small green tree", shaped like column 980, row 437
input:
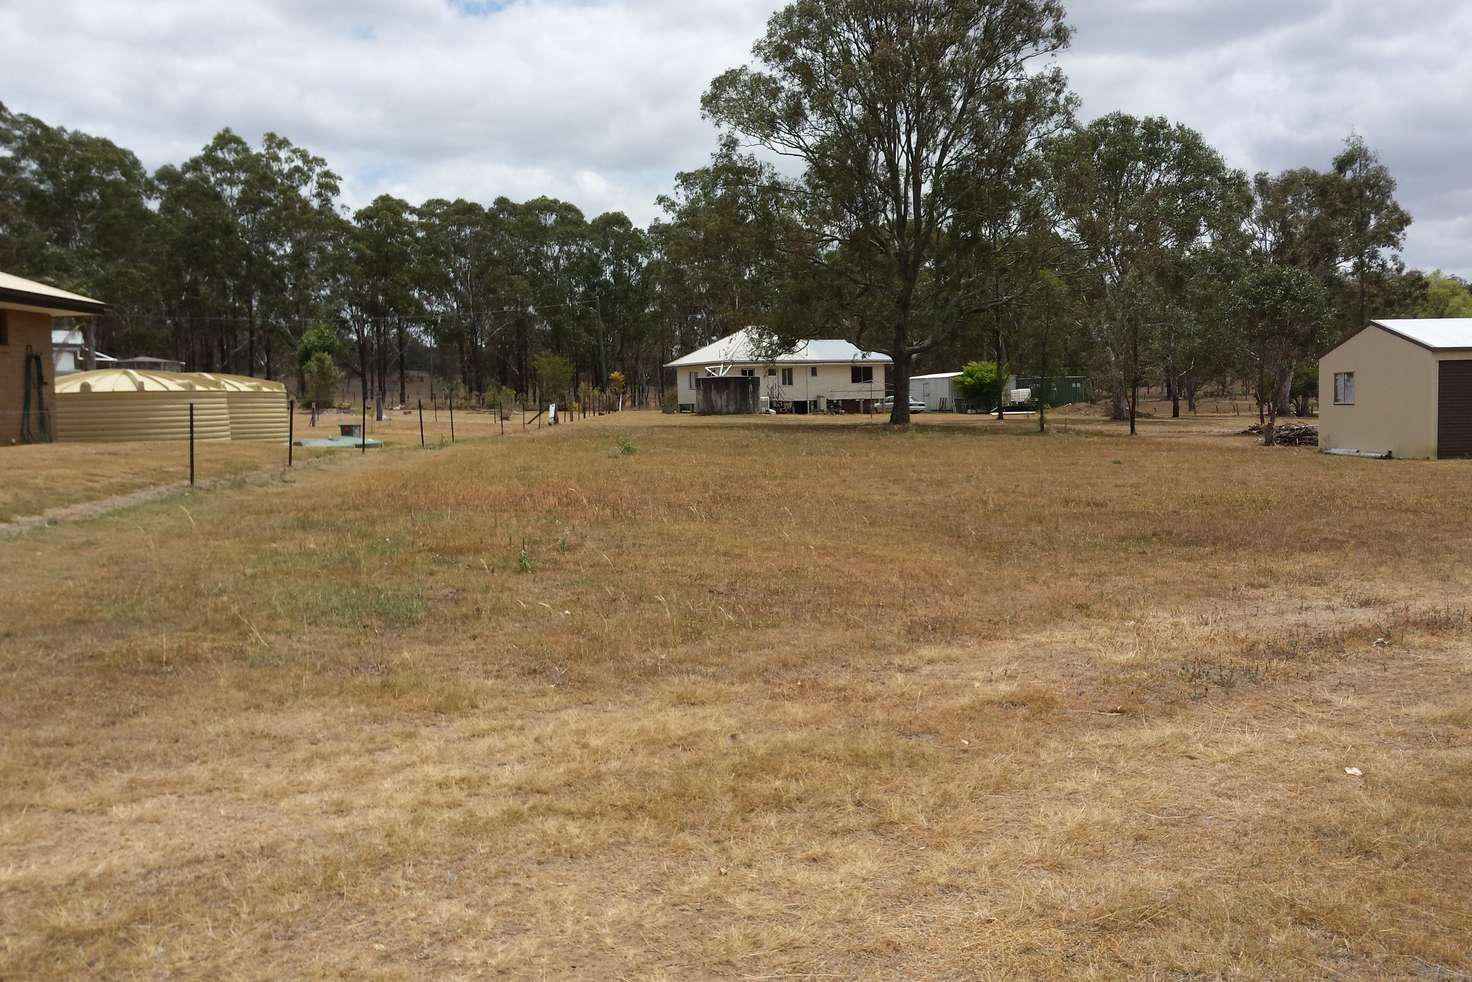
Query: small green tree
column 499, row 398
column 553, row 373
column 319, row 339
column 981, row 383
column 320, row 378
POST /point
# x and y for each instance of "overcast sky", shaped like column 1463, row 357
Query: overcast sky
column 597, row 101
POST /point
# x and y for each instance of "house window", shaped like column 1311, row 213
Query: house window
column 693, row 377
column 1344, row 388
column 813, row 371
column 4, row 327
column 786, row 376
column 862, row 376
column 748, row 373
column 771, row 373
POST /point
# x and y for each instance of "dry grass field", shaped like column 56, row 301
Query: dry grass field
column 50, row 476
column 665, row 698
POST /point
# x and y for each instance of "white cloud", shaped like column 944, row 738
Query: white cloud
column 597, row 101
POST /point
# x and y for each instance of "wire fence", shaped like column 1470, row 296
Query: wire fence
column 195, row 430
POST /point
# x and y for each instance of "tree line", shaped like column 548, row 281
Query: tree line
column 941, row 202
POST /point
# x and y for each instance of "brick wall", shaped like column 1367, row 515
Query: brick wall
column 22, row 328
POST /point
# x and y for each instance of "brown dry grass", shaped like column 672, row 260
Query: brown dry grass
column 764, row 699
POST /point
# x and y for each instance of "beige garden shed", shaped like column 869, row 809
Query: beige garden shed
column 1402, row 387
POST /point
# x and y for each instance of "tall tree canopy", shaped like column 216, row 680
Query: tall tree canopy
column 890, row 107
column 1141, row 198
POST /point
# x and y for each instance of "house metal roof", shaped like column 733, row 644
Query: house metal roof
column 745, row 347
column 19, row 293
column 1438, row 334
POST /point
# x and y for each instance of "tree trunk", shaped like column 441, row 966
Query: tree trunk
column 899, row 414
column 403, row 356
column 250, row 309
column 1001, row 367
column 1134, row 375
column 382, row 388
column 1284, row 395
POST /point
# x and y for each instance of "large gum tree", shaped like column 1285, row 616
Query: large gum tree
column 889, row 106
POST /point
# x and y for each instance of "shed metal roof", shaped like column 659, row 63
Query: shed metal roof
column 23, row 294
column 1438, row 334
column 745, row 347
column 931, row 378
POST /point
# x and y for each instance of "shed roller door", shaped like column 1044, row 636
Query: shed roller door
column 1454, row 410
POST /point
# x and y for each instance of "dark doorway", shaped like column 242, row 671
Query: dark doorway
column 1454, row 410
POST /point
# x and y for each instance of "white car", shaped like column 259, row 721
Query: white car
column 887, row 405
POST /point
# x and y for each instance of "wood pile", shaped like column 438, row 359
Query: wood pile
column 1288, row 434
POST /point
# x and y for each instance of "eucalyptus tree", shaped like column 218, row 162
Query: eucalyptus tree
column 1282, row 312
column 456, row 278
column 377, row 290
column 1140, row 198
column 239, row 217
column 75, row 211
column 716, row 248
column 1369, row 224
column 560, row 268
column 621, row 296
column 301, row 210
column 883, row 103
column 1290, row 223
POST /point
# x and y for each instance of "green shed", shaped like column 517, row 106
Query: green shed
column 1061, row 390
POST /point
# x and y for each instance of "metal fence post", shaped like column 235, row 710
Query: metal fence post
column 290, row 430
column 363, row 436
column 452, row 417
column 191, row 444
column 421, row 424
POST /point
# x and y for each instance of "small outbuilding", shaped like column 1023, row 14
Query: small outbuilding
column 27, row 313
column 1402, row 387
column 938, row 391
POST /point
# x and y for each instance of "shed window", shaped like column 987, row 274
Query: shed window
column 786, row 376
column 1344, row 388
column 862, row 376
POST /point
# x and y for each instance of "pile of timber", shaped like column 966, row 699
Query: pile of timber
column 1288, row 434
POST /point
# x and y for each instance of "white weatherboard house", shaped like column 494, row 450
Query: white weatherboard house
column 1400, row 386
column 815, row 376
